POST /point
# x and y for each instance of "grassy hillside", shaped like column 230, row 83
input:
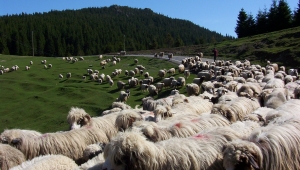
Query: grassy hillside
column 282, row 47
column 38, row 99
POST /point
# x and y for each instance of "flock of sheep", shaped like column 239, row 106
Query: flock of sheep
column 235, row 115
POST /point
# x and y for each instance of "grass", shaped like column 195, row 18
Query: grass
column 37, row 99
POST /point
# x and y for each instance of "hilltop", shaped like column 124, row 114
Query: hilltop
column 281, row 46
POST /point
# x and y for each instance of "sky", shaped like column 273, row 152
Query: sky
column 215, row 15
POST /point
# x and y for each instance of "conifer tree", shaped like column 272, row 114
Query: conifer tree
column 241, row 26
column 296, row 17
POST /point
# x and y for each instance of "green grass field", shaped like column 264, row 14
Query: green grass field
column 37, row 99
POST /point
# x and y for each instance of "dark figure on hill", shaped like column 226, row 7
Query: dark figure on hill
column 215, row 51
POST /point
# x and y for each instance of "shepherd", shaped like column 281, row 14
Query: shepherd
column 215, row 51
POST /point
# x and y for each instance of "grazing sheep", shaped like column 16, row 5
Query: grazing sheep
column 130, row 149
column 136, row 61
column 186, row 74
column 144, row 87
column 293, row 72
column 68, row 75
column 236, row 109
column 31, row 62
column 159, row 86
column 81, row 58
column 199, row 81
column 94, row 163
column 192, row 89
column 45, row 66
column 167, row 81
column 208, row 86
column 121, row 84
column 270, row 147
column 152, row 90
column 48, row 162
column 259, row 115
column 27, row 68
column 133, row 82
column 1, row 72
column 161, row 54
column 131, row 73
column 123, row 97
column 162, row 73
column 110, row 82
column 10, row 157
column 170, row 56
column 181, row 68
column 49, row 65
column 207, row 74
column 171, row 71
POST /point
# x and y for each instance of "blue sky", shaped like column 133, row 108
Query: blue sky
column 215, row 15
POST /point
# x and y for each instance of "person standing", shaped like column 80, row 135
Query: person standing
column 215, row 51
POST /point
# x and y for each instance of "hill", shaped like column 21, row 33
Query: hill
column 91, row 31
column 282, row 47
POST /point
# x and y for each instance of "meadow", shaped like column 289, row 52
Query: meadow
column 37, row 99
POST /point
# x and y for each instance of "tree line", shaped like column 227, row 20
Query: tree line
column 96, row 30
column 279, row 16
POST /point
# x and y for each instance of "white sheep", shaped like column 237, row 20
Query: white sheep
column 60, row 76
column 127, row 150
column 31, row 62
column 121, row 84
column 1, row 72
column 48, row 162
column 123, row 97
column 49, row 65
column 152, row 90
column 69, row 75
column 162, row 73
column 10, row 157
column 110, row 82
column 100, row 56
column 171, row 71
column 236, row 109
column 181, row 68
column 131, row 73
column 144, row 87
column 186, row 74
column 167, row 81
column 27, row 68
column 136, row 61
column 159, row 86
column 275, row 97
column 192, row 89
column 170, row 56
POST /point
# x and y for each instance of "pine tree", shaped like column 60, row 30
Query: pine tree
column 241, row 26
column 272, row 24
column 296, row 18
column 251, row 25
column 284, row 15
column 261, row 21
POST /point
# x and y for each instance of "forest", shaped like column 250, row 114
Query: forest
column 91, row 31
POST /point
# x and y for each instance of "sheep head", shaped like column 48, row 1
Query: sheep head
column 77, row 118
column 162, row 111
column 126, row 118
column 130, row 150
column 242, row 155
column 224, row 110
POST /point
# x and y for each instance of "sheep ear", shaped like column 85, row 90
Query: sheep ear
column 186, row 100
column 253, row 161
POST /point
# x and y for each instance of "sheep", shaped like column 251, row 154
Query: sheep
column 136, row 61
column 162, row 73
column 94, row 163
column 170, row 56
column 27, row 68
column 31, row 63
column 249, row 89
column 69, row 75
column 259, row 115
column 123, row 97
column 161, row 54
column 270, row 147
column 184, row 128
column 49, row 65
column 48, row 162
column 150, row 104
column 152, row 90
column 92, row 151
column 288, row 78
column 8, row 135
column 186, row 74
column 198, row 81
column 100, row 57
column 1, row 72
column 159, row 86
column 236, row 109
column 69, row 143
column 192, row 89
column 45, row 66
column 292, row 86
column 133, row 82
column 185, row 107
column 116, row 107
column 274, row 83
column 167, row 81
column 43, row 61
column 121, row 84
column 181, row 81
column 180, row 68
column 275, row 98
column 130, row 149
column 146, row 75
column 207, row 74
column 131, row 73
column 293, row 72
column 10, row 157
column 144, row 87
column 171, row 71
column 60, row 76
column 208, row 86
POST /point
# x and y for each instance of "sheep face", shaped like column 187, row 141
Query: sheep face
column 77, row 118
column 223, row 110
column 241, row 155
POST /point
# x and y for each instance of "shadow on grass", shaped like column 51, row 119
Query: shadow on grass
column 114, row 91
column 63, row 81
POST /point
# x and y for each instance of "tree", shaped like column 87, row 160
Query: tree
column 250, row 24
column 241, row 26
column 169, row 41
column 261, row 21
column 296, row 18
column 284, row 15
column 178, row 42
column 272, row 24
